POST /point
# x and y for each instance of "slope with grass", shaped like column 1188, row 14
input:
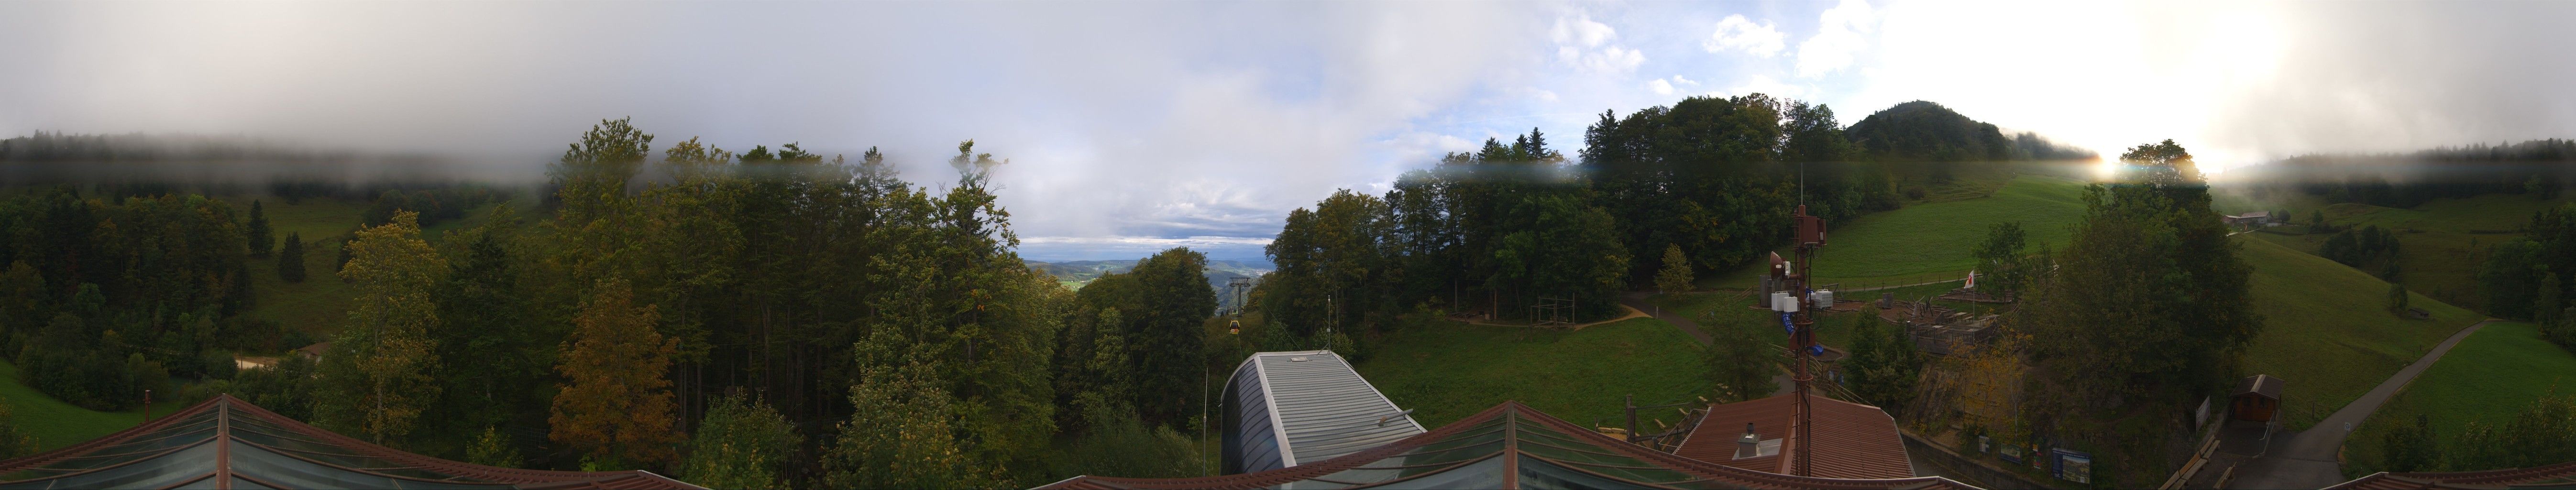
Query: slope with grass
column 2489, row 377
column 2327, row 330
column 1447, row 370
column 318, row 305
column 56, row 424
column 1927, row 242
column 2441, row 243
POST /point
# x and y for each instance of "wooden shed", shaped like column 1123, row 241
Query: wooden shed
column 2257, row 399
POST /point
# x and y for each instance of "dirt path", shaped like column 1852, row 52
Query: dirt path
column 1637, row 301
column 2307, row 459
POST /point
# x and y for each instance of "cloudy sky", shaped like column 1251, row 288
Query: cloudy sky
column 1132, row 126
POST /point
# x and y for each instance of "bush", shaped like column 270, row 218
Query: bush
column 1914, row 192
column 219, row 364
column 2409, row 447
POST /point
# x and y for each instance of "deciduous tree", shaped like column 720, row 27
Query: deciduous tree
column 2151, row 296
column 614, row 405
column 742, row 444
column 379, row 367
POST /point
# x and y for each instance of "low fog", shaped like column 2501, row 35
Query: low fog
column 1132, row 125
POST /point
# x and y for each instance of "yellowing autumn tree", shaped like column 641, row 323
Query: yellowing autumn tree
column 615, row 406
column 377, row 373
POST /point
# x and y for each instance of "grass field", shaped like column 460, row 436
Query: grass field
column 1448, row 370
column 2327, row 331
column 2489, row 377
column 2447, row 242
column 57, row 424
column 1927, row 242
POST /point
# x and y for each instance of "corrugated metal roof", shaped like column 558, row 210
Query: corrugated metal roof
column 1508, row 446
column 1850, row 440
column 1324, row 409
column 225, row 442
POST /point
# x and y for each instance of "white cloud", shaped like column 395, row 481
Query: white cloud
column 1735, row 33
column 1839, row 38
column 1613, row 59
column 1581, row 31
column 1667, row 86
column 1585, row 44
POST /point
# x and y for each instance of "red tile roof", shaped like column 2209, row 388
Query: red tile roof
column 1851, row 440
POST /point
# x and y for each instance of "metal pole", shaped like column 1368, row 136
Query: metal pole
column 1205, row 376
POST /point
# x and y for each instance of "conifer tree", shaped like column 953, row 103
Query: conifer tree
column 1676, row 276
column 290, row 259
column 258, row 232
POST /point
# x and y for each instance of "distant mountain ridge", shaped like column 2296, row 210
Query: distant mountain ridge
column 1076, row 273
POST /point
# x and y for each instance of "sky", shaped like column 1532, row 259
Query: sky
column 1134, row 126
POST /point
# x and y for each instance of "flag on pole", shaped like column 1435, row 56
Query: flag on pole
column 1972, row 279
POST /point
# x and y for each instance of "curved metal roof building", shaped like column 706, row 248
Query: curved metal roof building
column 1284, row 409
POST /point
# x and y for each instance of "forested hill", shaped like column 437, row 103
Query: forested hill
column 1925, row 131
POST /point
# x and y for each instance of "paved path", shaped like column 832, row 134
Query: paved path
column 2307, row 459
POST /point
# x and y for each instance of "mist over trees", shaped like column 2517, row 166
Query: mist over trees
column 1712, row 180
column 2537, row 168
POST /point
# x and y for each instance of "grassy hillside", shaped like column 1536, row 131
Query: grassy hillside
column 56, row 424
column 321, row 302
column 1448, row 370
column 1927, row 242
column 2441, row 243
column 2489, row 377
column 2327, row 331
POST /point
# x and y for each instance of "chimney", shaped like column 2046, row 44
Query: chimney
column 1750, row 445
